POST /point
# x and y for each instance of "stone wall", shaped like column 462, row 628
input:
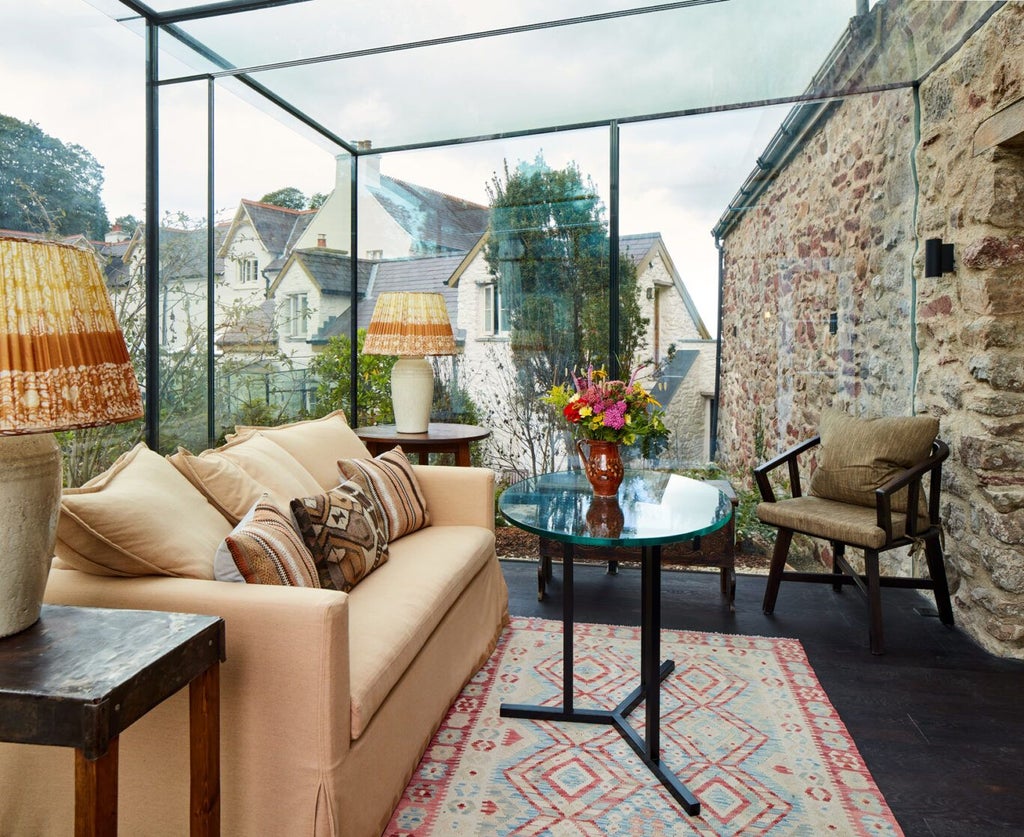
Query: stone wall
column 841, row 229
column 827, row 242
column 971, row 324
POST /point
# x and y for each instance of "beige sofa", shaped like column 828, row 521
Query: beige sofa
column 328, row 699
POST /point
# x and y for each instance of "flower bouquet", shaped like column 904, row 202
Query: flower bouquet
column 599, row 409
column 605, row 410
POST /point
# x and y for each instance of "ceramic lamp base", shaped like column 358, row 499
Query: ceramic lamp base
column 412, row 393
column 30, row 486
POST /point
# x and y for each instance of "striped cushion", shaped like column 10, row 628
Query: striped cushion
column 394, row 487
column 266, row 549
column 859, row 455
column 345, row 531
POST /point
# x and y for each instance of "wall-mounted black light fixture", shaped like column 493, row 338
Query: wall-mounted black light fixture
column 938, row 257
column 833, row 322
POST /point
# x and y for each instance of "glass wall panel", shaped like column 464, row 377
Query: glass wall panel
column 275, row 199
column 514, row 234
column 182, row 287
column 678, row 176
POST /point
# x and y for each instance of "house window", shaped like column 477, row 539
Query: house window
column 298, row 315
column 496, row 319
column 248, row 270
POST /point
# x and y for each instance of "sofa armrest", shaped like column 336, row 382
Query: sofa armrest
column 285, row 643
column 458, row 496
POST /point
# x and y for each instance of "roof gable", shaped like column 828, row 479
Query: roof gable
column 329, row 270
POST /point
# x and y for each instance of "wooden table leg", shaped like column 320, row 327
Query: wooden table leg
column 462, row 455
column 204, row 746
column 96, row 794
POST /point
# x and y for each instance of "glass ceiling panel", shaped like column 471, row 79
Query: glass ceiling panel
column 365, row 73
column 327, row 27
column 667, row 61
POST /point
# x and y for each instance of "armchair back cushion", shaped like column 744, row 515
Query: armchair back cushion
column 859, row 455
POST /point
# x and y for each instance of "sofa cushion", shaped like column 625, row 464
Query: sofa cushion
column 235, row 475
column 345, row 531
column 394, row 487
column 394, row 610
column 859, row 455
column 317, row 444
column 267, row 549
column 226, row 486
column 139, row 517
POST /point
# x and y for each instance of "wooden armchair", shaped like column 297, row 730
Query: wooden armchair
column 898, row 514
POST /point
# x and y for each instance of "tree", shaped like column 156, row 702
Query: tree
column 288, row 198
column 47, row 185
column 317, row 200
column 548, row 248
column 128, row 223
column 332, row 367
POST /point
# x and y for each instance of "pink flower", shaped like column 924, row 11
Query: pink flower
column 615, row 415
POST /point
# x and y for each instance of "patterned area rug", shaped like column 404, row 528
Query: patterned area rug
column 745, row 725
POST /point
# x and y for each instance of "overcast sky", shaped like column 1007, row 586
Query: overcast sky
column 79, row 76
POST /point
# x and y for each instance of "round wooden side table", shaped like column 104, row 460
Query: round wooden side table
column 439, row 438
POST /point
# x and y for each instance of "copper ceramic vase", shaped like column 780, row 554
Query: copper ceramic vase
column 603, row 466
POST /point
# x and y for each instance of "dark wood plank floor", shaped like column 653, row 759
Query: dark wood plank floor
column 939, row 721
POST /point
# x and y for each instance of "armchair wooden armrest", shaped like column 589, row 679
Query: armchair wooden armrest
column 912, row 478
column 788, row 458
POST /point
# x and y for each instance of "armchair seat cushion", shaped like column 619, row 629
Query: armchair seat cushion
column 831, row 520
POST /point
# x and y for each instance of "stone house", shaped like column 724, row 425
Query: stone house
column 825, row 298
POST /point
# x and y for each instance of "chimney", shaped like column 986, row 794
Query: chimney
column 115, row 234
column 321, row 240
column 369, row 169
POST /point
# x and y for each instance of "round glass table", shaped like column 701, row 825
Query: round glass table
column 652, row 508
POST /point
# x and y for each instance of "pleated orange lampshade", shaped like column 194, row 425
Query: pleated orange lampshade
column 63, row 359
column 409, row 325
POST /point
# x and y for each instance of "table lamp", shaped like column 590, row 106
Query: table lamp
column 410, row 325
column 63, row 365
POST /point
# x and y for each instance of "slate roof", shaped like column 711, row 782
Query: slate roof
column 638, row 245
column 673, row 374
column 254, row 331
column 277, row 226
column 331, row 270
column 437, row 222
column 426, row 274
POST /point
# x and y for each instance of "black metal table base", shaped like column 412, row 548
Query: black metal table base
column 647, row 747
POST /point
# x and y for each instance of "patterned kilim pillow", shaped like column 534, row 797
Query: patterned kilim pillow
column 267, row 550
column 394, row 487
column 345, row 531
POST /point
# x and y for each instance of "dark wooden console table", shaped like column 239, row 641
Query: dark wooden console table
column 80, row 676
column 439, row 438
